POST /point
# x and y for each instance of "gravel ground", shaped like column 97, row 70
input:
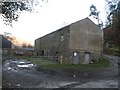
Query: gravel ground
column 99, row 84
column 19, row 73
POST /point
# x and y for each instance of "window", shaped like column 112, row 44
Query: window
column 57, row 52
column 62, row 38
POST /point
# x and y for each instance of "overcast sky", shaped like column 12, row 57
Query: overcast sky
column 50, row 17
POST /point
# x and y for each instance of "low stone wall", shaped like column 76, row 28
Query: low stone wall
column 68, row 56
column 94, row 55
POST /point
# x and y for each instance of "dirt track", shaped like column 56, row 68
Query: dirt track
column 16, row 76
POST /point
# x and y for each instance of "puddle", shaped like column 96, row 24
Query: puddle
column 9, row 68
column 17, row 65
column 22, row 62
column 14, row 70
column 25, row 65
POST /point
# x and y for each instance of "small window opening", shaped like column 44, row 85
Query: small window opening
column 62, row 38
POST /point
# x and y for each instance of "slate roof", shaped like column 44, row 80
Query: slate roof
column 4, row 43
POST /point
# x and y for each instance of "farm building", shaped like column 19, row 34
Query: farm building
column 5, row 45
column 79, row 42
column 24, row 51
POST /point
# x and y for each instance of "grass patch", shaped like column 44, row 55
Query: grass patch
column 48, row 64
column 115, row 50
column 40, row 61
column 99, row 64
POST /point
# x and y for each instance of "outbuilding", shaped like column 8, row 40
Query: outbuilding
column 5, row 45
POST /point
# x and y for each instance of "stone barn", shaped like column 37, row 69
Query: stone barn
column 79, row 42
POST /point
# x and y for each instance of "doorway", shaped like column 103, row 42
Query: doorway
column 42, row 53
column 87, row 58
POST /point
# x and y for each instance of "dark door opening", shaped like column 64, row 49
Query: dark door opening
column 42, row 53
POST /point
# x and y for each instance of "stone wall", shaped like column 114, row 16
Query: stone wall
column 53, row 45
column 85, row 36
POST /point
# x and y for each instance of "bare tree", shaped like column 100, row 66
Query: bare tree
column 113, row 21
column 11, row 38
column 24, row 45
column 95, row 13
column 10, row 10
column 30, row 46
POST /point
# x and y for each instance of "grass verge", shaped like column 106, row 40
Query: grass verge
column 48, row 64
column 113, row 50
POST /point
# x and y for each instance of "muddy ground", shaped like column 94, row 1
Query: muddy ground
column 19, row 73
